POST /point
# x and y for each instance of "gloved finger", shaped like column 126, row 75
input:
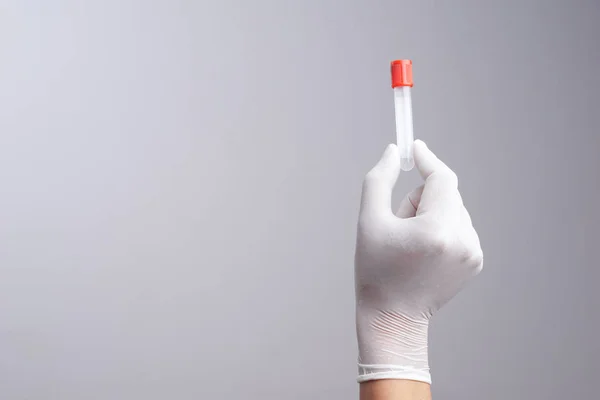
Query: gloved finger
column 466, row 218
column 410, row 203
column 379, row 182
column 440, row 195
column 468, row 226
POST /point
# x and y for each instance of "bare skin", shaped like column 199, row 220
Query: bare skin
column 395, row 389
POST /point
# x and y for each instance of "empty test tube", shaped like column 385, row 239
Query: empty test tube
column 402, row 82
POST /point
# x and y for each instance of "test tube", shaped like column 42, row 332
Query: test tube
column 402, row 82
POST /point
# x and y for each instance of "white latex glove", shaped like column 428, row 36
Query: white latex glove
column 409, row 264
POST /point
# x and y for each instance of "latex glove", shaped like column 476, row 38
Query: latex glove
column 408, row 265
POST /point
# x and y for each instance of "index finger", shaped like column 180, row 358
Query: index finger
column 440, row 195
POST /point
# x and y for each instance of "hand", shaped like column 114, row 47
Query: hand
column 408, row 265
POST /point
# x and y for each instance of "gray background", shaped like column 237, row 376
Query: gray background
column 179, row 185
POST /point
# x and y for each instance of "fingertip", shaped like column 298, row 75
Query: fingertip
column 428, row 162
column 380, row 180
column 421, row 149
column 425, row 160
column 390, row 156
column 391, row 149
column 419, row 142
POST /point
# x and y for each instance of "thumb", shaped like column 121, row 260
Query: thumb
column 379, row 183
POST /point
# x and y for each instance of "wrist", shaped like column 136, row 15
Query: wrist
column 392, row 345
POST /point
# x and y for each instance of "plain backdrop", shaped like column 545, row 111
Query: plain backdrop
column 180, row 180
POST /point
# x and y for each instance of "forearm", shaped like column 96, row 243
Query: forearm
column 395, row 389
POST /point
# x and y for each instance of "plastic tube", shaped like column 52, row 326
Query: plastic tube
column 402, row 83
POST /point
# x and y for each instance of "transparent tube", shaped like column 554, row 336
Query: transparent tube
column 404, row 126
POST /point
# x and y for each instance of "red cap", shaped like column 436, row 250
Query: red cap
column 402, row 73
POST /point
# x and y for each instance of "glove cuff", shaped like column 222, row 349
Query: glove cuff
column 369, row 372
